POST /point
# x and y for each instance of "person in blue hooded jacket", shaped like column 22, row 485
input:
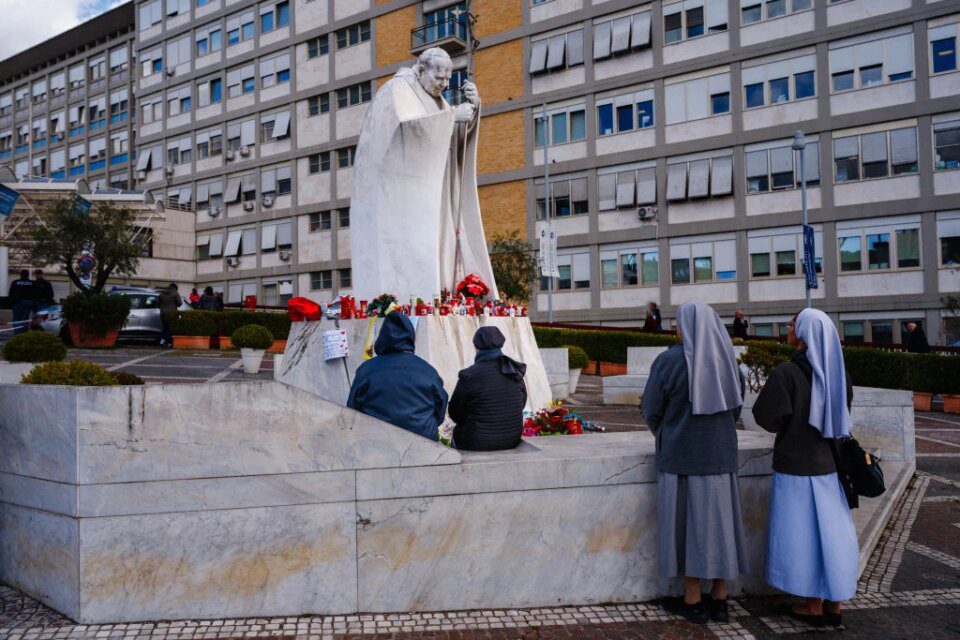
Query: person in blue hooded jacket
column 397, row 386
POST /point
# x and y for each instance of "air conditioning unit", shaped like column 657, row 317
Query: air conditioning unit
column 233, row 261
column 285, row 254
column 213, row 212
column 244, row 151
column 171, row 71
column 230, row 155
column 168, row 170
column 141, row 175
column 647, row 213
column 248, row 205
column 268, row 201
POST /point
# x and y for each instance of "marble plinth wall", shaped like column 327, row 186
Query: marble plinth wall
column 253, row 499
column 446, row 342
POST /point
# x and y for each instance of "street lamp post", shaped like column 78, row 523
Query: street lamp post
column 799, row 144
column 550, row 258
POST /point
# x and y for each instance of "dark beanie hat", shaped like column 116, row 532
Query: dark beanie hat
column 488, row 338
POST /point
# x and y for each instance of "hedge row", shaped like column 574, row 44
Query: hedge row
column 867, row 367
column 224, row 323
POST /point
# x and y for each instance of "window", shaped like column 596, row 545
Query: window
column 946, row 141
column 151, row 63
column 274, row 70
column 779, row 90
column 210, row 195
column 119, row 106
column 319, row 46
column 345, row 157
column 275, row 126
column 319, row 162
column 241, row 134
column 321, row 280
column 320, row 221
column 557, row 52
column 97, row 110
column 179, row 101
column 629, row 267
column 179, row 51
column 318, row 104
column 875, row 155
column 887, row 244
column 778, row 253
column 682, row 22
column 779, row 167
column 178, row 7
column 240, row 28
column 760, row 265
column 210, row 92
column 151, row 109
column 804, row 85
column 276, row 235
column 151, row 13
column 698, row 98
column 625, row 113
column 353, row 95
column 621, row 36
column 568, row 197
column 445, row 22
column 574, row 272
column 241, row 81
column 626, row 188
column 908, row 248
column 275, row 181
column 453, row 94
column 770, row 83
column 850, row 250
column 353, row 35
column 853, row 331
column 756, row 10
column 700, row 178
column 343, row 218
column 209, row 144
column 209, row 41
column 878, row 251
column 180, row 151
column 568, row 125
column 345, row 278
column 754, row 95
column 702, row 259
column 871, row 60
column 944, row 55
column 273, row 16
column 948, row 231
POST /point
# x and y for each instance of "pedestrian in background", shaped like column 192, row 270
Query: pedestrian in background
column 649, row 322
column 812, row 548
column 691, row 403
column 740, row 325
column 170, row 301
column 194, row 298
column 916, row 339
column 42, row 291
column 657, row 320
column 208, row 301
column 219, row 295
column 21, row 298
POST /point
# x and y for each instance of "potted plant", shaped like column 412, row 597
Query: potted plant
column 253, row 341
column 577, row 361
column 923, row 378
column 95, row 319
column 193, row 330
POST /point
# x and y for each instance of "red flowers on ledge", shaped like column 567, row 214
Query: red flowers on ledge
column 472, row 287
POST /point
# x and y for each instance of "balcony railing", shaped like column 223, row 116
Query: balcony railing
column 449, row 34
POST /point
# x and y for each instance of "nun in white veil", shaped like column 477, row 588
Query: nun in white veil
column 812, row 548
column 691, row 403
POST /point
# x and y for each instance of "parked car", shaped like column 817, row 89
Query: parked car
column 143, row 323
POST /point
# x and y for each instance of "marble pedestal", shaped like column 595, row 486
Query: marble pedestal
column 556, row 362
column 446, row 342
column 628, row 389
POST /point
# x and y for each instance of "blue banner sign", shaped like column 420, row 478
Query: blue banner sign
column 809, row 258
column 81, row 207
column 8, row 200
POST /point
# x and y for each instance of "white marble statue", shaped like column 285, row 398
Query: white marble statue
column 415, row 186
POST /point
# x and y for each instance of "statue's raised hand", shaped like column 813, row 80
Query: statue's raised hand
column 471, row 93
column 465, row 112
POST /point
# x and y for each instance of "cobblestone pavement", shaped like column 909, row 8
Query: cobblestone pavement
column 910, row 588
column 173, row 366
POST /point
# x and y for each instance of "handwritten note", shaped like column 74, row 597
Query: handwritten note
column 335, row 344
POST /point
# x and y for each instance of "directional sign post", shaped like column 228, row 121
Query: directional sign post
column 8, row 200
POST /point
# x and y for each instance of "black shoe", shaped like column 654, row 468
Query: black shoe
column 806, row 618
column 719, row 612
column 695, row 613
column 832, row 619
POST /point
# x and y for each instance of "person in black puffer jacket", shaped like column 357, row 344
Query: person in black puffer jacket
column 487, row 404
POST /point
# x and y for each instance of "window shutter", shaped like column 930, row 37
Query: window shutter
column 578, row 190
column 556, row 51
column 281, row 125
column 268, row 237
column 903, row 144
column 781, row 160
column 575, row 48
column 621, row 35
column 721, row 176
column 699, row 179
column 232, row 194
column 841, row 60
column 601, row 40
column 216, row 244
column 845, row 147
column 203, row 193
column 757, row 164
column 626, row 188
column 268, row 181
column 233, row 243
column 647, row 186
column 538, row 56
column 248, row 133
column 186, row 194
column 874, row 147
column 811, row 162
column 677, row 181
column 640, row 37
column 607, row 186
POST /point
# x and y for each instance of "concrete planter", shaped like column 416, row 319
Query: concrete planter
column 746, row 413
column 574, row 380
column 86, row 339
column 196, row 343
column 922, row 401
column 11, row 372
column 252, row 359
column 951, row 404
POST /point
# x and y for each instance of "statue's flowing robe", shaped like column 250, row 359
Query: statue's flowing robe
column 413, row 166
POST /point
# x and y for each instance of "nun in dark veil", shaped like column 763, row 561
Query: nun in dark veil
column 691, row 403
column 487, row 404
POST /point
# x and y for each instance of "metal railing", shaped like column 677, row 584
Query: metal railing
column 449, row 29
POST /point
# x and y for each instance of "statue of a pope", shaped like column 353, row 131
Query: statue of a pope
column 415, row 213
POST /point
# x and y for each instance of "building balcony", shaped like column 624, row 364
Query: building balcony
column 450, row 35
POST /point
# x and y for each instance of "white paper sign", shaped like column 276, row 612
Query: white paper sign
column 335, row 344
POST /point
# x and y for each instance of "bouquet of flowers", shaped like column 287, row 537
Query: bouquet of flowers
column 379, row 306
column 556, row 420
column 472, row 287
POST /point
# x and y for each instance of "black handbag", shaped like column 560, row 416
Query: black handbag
column 862, row 469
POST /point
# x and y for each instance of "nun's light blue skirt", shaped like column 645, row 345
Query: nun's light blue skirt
column 812, row 548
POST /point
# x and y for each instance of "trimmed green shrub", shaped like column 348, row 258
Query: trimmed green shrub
column 126, row 379
column 34, row 346
column 577, row 358
column 76, row 373
column 761, row 358
column 97, row 313
column 876, row 368
column 607, row 346
column 226, row 322
column 252, row 336
column 194, row 323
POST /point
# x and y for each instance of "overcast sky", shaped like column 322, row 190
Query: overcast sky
column 29, row 22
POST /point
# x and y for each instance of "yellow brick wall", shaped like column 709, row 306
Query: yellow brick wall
column 380, row 3
column 501, row 145
column 503, row 207
column 494, row 16
column 393, row 35
column 499, row 71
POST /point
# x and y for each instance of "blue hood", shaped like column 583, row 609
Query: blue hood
column 397, row 335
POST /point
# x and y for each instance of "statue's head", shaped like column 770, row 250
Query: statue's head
column 434, row 68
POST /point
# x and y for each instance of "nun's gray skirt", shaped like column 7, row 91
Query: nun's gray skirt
column 700, row 527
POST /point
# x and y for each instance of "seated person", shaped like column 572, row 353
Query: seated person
column 397, row 386
column 487, row 404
